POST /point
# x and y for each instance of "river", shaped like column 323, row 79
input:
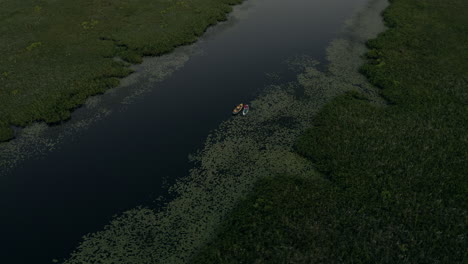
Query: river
column 124, row 148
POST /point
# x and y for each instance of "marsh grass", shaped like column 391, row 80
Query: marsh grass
column 394, row 181
column 55, row 54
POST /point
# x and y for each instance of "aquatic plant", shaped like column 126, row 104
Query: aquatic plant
column 59, row 53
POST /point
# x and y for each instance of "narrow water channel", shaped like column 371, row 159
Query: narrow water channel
column 152, row 122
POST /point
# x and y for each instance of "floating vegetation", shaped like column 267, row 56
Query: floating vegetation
column 154, row 70
column 39, row 139
column 395, row 180
column 235, row 156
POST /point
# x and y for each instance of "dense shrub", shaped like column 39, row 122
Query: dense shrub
column 395, row 177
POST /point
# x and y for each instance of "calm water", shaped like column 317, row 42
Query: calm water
column 50, row 201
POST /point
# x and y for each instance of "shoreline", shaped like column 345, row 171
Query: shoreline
column 54, row 106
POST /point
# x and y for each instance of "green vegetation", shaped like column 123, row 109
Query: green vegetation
column 394, row 181
column 276, row 224
column 58, row 53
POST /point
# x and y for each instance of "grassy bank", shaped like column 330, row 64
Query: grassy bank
column 394, row 178
column 55, row 54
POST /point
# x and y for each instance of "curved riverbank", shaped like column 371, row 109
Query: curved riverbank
column 394, row 179
column 224, row 173
column 60, row 53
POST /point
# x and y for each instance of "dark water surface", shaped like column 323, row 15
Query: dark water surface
column 49, row 202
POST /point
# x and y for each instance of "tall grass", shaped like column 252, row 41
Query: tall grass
column 55, row 54
column 394, row 181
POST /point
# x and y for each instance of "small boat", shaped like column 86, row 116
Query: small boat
column 237, row 109
column 246, row 109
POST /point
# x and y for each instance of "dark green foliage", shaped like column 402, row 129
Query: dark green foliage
column 267, row 228
column 396, row 177
column 55, row 54
column 6, row 132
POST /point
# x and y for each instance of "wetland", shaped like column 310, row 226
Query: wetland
column 124, row 148
column 351, row 152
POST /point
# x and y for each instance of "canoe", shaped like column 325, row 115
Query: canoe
column 246, row 110
column 237, row 109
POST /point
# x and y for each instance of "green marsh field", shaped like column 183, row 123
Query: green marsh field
column 367, row 165
column 394, row 179
column 55, row 54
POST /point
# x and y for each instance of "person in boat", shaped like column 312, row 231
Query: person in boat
column 238, row 109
